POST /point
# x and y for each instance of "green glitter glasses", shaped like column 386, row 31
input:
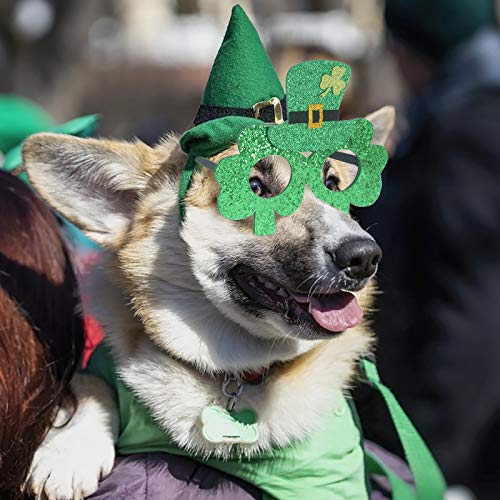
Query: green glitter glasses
column 238, row 201
column 314, row 94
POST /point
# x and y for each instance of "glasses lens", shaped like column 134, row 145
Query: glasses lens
column 270, row 176
column 340, row 170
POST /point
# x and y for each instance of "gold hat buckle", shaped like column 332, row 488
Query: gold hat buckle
column 275, row 103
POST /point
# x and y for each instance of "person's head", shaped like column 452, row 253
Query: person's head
column 425, row 32
column 41, row 331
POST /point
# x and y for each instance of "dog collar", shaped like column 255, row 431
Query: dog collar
column 255, row 377
column 233, row 385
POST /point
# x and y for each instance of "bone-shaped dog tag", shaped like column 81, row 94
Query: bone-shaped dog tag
column 220, row 426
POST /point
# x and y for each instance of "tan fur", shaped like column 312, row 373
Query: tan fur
column 205, row 189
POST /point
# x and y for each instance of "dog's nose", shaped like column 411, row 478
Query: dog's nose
column 359, row 258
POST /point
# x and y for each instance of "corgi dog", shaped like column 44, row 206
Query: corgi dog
column 185, row 303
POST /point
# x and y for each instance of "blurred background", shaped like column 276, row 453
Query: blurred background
column 143, row 67
column 127, row 60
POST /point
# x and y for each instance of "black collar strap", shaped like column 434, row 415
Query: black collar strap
column 207, row 113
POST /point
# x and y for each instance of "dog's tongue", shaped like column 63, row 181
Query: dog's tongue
column 336, row 312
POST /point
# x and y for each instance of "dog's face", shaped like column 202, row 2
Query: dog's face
column 298, row 282
column 306, row 281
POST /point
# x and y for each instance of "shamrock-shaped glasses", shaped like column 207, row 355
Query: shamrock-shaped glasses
column 237, row 201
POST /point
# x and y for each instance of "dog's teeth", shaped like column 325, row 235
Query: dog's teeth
column 282, row 293
column 272, row 286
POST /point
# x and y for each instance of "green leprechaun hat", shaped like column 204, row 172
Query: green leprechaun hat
column 241, row 87
column 314, row 93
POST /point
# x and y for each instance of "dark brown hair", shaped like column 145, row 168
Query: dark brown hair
column 41, row 329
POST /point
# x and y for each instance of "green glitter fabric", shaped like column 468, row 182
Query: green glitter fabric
column 312, row 86
column 319, row 84
column 316, row 82
column 237, row 201
column 242, row 76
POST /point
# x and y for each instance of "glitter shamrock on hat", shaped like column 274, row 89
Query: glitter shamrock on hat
column 314, row 93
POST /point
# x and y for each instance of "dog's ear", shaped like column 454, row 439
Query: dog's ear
column 94, row 183
column 383, row 123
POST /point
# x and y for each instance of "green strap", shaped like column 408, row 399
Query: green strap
column 400, row 489
column 186, row 178
column 429, row 482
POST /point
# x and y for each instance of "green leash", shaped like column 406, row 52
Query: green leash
column 429, row 482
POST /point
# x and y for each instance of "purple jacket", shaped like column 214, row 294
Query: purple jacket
column 161, row 476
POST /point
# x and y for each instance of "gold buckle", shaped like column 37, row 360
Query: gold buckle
column 310, row 117
column 275, row 103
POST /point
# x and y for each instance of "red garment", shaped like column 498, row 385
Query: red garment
column 93, row 336
column 84, row 261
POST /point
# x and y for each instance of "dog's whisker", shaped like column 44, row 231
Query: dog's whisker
column 330, row 285
column 268, row 358
column 372, row 225
column 317, row 284
column 312, row 286
column 311, row 276
column 284, row 339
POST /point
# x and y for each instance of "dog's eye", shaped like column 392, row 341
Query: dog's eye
column 257, row 187
column 340, row 170
column 332, row 182
column 270, row 176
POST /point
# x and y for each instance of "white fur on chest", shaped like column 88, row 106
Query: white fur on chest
column 289, row 407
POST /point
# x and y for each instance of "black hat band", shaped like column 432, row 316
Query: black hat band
column 207, row 113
